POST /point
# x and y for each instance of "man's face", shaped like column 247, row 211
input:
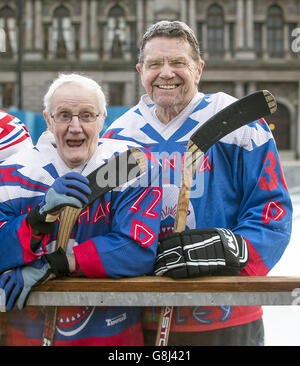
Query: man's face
column 168, row 73
column 76, row 141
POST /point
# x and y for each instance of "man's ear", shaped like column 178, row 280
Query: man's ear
column 48, row 121
column 139, row 68
column 200, row 68
column 202, row 64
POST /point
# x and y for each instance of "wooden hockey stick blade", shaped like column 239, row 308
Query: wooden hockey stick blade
column 241, row 112
column 128, row 165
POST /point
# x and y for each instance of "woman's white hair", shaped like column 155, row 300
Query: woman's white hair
column 79, row 80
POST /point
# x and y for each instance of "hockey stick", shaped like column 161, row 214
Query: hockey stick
column 234, row 116
column 126, row 166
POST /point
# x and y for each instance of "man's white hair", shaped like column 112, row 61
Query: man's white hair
column 79, row 80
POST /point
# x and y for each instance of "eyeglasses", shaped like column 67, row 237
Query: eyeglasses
column 66, row 117
column 173, row 64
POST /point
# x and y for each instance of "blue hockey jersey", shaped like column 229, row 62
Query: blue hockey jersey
column 239, row 185
column 115, row 236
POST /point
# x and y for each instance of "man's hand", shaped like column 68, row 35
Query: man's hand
column 72, row 189
column 201, row 252
column 18, row 283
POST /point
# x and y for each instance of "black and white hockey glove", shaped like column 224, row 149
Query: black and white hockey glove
column 201, row 252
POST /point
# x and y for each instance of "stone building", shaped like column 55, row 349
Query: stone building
column 247, row 45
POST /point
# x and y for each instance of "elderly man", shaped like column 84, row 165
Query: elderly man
column 239, row 186
column 104, row 241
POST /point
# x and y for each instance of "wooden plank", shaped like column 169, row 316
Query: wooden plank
column 164, row 284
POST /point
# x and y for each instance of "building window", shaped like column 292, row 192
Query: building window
column 77, row 40
column 275, row 31
column 116, row 94
column 62, row 36
column 116, row 33
column 280, row 125
column 215, row 30
column 9, row 27
column 200, row 34
column 46, row 28
column 6, row 95
column 231, row 37
column 258, row 38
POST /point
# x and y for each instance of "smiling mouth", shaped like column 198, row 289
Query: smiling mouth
column 74, row 143
column 168, row 86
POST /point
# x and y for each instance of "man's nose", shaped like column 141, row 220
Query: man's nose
column 166, row 70
column 75, row 124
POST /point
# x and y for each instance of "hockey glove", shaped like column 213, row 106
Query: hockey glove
column 72, row 189
column 201, row 252
column 18, row 283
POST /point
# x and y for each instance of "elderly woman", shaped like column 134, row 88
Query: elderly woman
column 104, row 241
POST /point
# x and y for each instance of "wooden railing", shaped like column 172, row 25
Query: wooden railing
column 161, row 291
